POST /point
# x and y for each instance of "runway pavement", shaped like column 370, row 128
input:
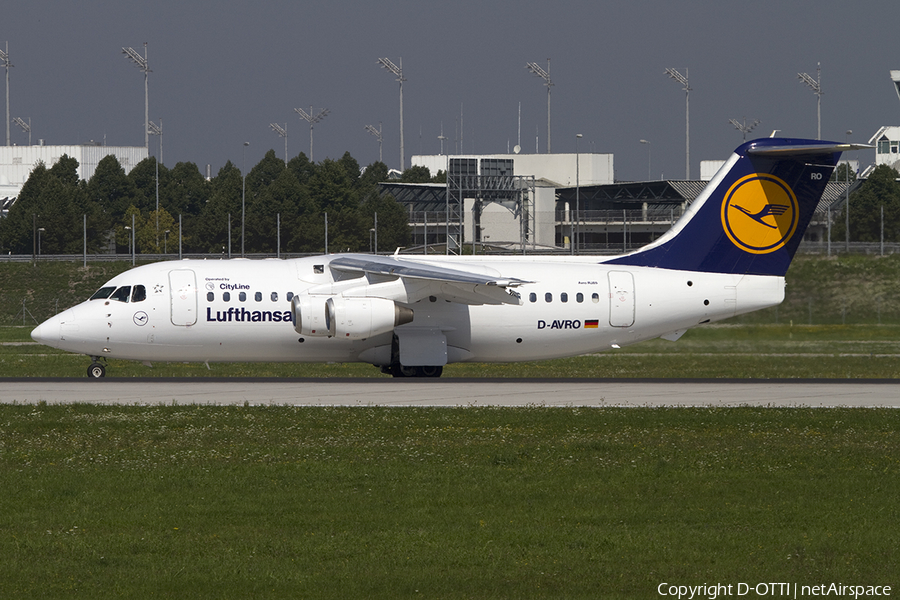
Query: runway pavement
column 456, row 392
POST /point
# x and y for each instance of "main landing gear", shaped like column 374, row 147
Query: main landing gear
column 398, row 370
column 97, row 369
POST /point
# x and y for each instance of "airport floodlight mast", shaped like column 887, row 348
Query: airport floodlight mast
column 683, row 80
column 743, row 127
column 26, row 127
column 398, row 71
column 312, row 119
column 4, row 58
column 816, row 86
column 155, row 129
column 378, row 136
column 545, row 75
column 142, row 63
column 282, row 131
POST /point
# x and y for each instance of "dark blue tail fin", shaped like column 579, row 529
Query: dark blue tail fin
column 751, row 217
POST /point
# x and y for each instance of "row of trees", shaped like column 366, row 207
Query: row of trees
column 300, row 192
column 880, row 190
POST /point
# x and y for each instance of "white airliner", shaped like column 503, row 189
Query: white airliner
column 411, row 315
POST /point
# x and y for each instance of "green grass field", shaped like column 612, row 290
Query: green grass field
column 283, row 502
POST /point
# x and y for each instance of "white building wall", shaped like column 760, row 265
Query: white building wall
column 17, row 162
column 550, row 171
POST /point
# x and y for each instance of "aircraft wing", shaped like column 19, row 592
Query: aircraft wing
column 421, row 280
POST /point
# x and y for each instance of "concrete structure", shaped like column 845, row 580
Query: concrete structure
column 17, row 162
column 887, row 147
column 507, row 200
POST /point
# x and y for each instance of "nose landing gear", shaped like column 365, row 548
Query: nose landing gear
column 96, row 370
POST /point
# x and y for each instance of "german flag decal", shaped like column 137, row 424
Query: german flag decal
column 590, row 324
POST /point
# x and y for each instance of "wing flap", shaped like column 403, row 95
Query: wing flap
column 423, row 280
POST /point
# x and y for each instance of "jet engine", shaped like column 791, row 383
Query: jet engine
column 361, row 318
column 309, row 316
column 348, row 318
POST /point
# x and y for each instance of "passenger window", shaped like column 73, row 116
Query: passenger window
column 226, row 296
column 242, row 296
column 318, row 269
column 274, row 296
column 564, row 297
column 532, row 297
column 290, row 296
column 548, row 297
column 210, row 296
column 258, row 297
column 139, row 294
column 595, row 297
column 122, row 294
column 103, row 293
column 579, row 297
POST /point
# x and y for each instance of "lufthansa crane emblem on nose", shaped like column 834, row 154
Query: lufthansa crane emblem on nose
column 140, row 318
column 760, row 213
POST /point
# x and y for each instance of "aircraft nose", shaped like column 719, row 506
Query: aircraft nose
column 56, row 328
column 47, row 332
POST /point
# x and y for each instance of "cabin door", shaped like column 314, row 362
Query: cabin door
column 621, row 299
column 183, row 288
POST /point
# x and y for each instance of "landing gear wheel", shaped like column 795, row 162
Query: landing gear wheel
column 398, row 370
column 96, row 371
column 429, row 371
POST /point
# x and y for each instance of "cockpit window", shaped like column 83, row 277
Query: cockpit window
column 103, row 293
column 139, row 293
column 122, row 294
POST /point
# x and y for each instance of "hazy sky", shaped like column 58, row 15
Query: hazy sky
column 223, row 71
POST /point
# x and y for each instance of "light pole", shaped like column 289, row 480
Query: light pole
column 166, row 243
column 648, row 158
column 378, row 136
column 442, row 137
column 243, row 194
column 282, row 131
column 26, row 127
column 312, row 120
column 578, row 136
column 847, row 200
column 743, row 127
column 816, row 86
column 143, row 64
column 683, row 80
column 4, row 61
column 157, row 130
column 398, row 71
column 545, row 75
column 131, row 241
column 40, row 230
